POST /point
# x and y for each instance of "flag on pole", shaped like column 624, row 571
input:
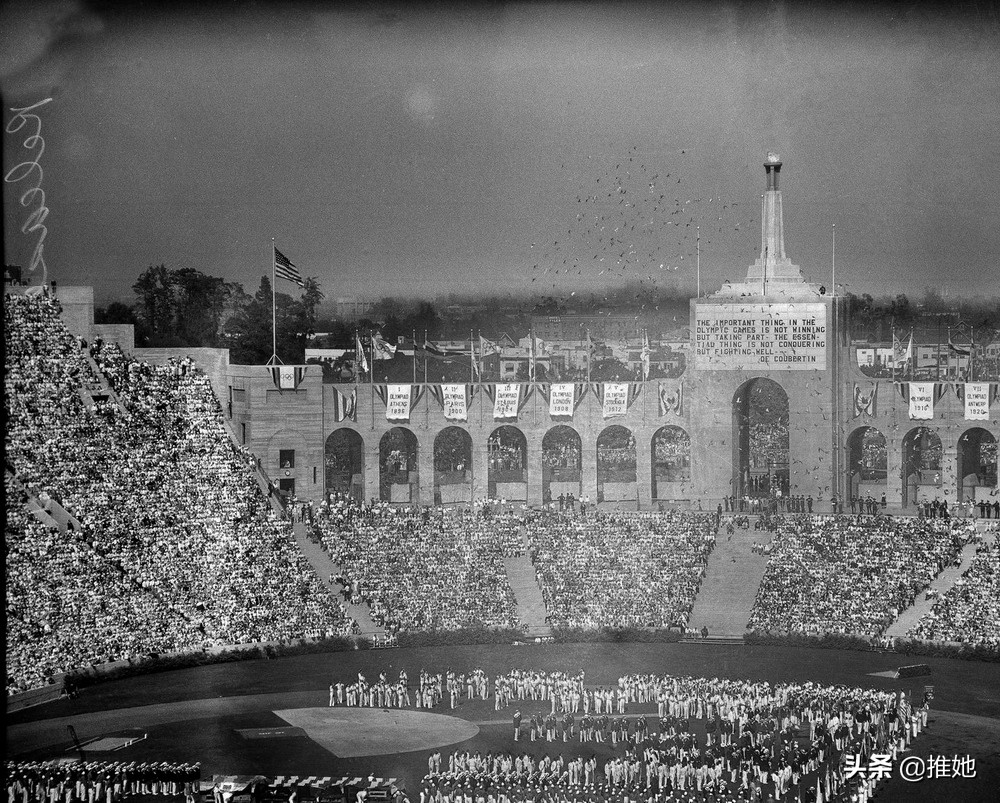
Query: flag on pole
column 646, row 352
column 359, row 354
column 284, row 269
column 487, row 347
column 961, row 351
column 532, row 344
column 381, row 349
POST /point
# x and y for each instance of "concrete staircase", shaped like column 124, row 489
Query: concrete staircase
column 530, row 605
column 732, row 578
column 327, row 569
column 909, row 618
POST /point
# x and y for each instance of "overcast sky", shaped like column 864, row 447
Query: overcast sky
column 401, row 149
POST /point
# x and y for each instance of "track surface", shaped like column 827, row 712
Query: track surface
column 196, row 714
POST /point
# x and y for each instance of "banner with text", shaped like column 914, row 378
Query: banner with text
column 615, row 399
column 505, row 404
column 921, row 400
column 454, row 402
column 782, row 337
column 561, row 400
column 977, row 401
column 397, row 403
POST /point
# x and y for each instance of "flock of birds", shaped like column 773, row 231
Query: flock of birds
column 633, row 222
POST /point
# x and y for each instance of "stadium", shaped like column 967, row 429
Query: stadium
column 196, row 612
column 577, row 488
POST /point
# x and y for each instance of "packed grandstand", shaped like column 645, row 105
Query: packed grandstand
column 172, row 543
column 178, row 548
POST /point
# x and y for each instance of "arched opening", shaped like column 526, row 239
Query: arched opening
column 867, row 464
column 921, row 469
column 760, row 439
column 977, row 465
column 616, row 465
column 562, row 451
column 397, row 461
column 671, row 458
column 507, row 450
column 452, row 466
column 344, row 462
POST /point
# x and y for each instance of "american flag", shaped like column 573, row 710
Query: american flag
column 284, row 269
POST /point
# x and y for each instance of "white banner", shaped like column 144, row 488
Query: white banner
column 922, row 400
column 397, row 402
column 455, row 408
column 615, row 399
column 977, row 401
column 286, row 377
column 783, row 337
column 506, row 401
column 561, row 400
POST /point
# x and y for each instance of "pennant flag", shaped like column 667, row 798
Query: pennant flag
column 561, row 400
column 865, row 401
column 671, row 399
column 284, row 269
column 359, row 355
column 615, row 401
column 506, row 400
column 344, row 407
column 531, row 356
column 977, row 401
column 287, row 377
column 381, row 349
column 921, row 400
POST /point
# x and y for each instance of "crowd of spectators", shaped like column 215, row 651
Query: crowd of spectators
column 98, row 781
column 851, row 575
column 969, row 611
column 177, row 547
column 429, row 569
column 620, row 569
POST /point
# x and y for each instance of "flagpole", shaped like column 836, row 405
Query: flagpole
column 414, row 356
column 472, row 359
column 274, row 314
column 426, row 355
column 833, row 262
column 698, row 260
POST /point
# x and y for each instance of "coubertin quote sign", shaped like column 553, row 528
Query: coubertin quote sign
column 780, row 337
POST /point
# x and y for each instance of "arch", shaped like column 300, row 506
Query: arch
column 562, row 458
column 344, row 464
column 977, row 464
column 452, row 466
column 507, row 453
column 920, row 473
column 616, row 465
column 867, row 463
column 760, row 439
column 398, row 478
column 670, row 450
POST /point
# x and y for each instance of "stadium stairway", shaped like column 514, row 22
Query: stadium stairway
column 327, row 570
column 909, row 618
column 732, row 578
column 531, row 611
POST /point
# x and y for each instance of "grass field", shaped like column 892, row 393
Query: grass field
column 196, row 714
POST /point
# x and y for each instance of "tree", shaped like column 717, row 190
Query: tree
column 155, row 304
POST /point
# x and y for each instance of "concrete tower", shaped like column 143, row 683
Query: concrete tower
column 773, row 274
